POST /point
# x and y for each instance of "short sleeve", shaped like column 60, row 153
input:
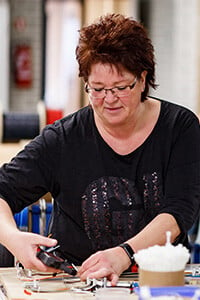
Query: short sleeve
column 33, row 171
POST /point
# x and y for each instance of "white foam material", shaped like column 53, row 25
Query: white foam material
column 165, row 258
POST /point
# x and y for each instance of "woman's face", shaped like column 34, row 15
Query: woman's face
column 115, row 108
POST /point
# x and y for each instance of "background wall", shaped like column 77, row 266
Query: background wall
column 4, row 53
column 26, row 31
column 173, row 26
column 62, row 85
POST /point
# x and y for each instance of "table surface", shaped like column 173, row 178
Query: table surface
column 15, row 286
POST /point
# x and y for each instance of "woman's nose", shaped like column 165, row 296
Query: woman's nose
column 110, row 95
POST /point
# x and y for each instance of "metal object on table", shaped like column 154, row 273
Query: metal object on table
column 192, row 275
column 93, row 284
column 192, row 270
column 34, row 286
column 196, row 271
column 42, row 219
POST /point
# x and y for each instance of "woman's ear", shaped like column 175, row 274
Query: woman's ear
column 143, row 80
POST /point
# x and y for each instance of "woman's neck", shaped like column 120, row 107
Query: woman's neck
column 125, row 139
column 122, row 130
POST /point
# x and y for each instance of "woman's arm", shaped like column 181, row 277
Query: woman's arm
column 112, row 262
column 23, row 245
column 155, row 232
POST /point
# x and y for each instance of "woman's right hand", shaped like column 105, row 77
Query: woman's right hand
column 24, row 246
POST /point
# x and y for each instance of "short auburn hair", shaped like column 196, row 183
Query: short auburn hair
column 120, row 41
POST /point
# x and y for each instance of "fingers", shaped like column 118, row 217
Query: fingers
column 43, row 241
column 92, row 265
column 26, row 250
column 100, row 272
column 99, row 265
column 38, row 265
column 114, row 279
column 90, row 262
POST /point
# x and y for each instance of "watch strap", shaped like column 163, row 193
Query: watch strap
column 129, row 251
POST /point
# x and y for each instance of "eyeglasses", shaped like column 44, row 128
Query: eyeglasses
column 119, row 91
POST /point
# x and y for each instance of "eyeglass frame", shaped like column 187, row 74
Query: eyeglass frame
column 131, row 86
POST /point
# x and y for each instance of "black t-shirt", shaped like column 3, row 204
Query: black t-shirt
column 102, row 198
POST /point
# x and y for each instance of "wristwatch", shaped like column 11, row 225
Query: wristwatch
column 129, row 251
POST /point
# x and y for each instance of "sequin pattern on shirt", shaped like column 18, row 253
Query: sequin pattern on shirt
column 112, row 211
column 152, row 191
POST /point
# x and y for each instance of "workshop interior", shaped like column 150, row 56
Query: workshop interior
column 39, row 76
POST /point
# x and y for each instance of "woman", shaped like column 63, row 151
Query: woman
column 122, row 171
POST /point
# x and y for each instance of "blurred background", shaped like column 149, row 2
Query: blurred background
column 39, row 74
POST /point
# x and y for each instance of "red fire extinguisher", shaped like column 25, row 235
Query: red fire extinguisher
column 23, row 66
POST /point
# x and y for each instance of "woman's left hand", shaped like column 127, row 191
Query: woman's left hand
column 109, row 263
